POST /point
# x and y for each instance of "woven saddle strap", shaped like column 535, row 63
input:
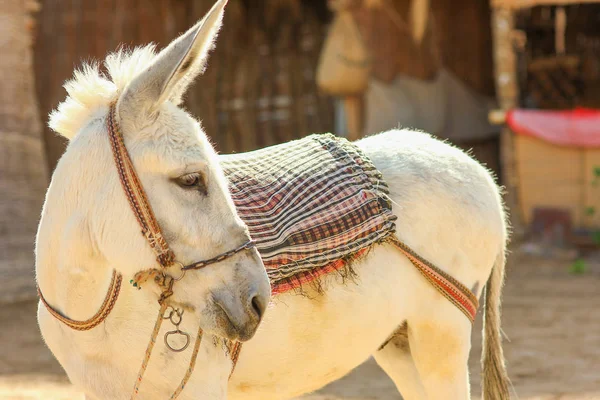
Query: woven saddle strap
column 138, row 200
column 450, row 288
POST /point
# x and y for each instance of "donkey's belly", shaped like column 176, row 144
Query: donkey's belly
column 306, row 342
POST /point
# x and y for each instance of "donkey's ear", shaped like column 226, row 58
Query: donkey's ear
column 174, row 68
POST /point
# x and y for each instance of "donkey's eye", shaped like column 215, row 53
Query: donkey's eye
column 189, row 179
column 195, row 180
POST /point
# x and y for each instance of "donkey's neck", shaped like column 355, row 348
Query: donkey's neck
column 71, row 270
column 72, row 283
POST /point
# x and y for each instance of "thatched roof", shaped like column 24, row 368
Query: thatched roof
column 532, row 3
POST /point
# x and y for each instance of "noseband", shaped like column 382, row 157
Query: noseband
column 165, row 257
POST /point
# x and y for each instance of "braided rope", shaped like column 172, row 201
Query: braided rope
column 107, row 305
column 149, row 348
column 190, row 369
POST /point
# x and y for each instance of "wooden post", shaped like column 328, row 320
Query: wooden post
column 507, row 93
column 353, row 107
column 419, row 14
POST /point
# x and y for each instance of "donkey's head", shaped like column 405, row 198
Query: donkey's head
column 88, row 223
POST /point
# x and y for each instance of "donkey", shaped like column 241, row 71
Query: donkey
column 448, row 208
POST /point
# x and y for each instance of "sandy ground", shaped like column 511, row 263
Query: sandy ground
column 551, row 317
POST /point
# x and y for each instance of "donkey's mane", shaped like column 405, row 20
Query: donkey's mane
column 91, row 89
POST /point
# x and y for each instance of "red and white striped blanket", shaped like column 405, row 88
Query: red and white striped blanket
column 311, row 205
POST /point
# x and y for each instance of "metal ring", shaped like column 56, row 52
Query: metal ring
column 176, row 314
column 177, row 332
column 170, row 312
column 180, row 277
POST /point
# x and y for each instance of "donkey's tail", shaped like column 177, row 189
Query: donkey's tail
column 495, row 379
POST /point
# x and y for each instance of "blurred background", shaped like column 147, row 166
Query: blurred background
column 515, row 82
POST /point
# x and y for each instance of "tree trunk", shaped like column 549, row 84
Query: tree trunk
column 23, row 176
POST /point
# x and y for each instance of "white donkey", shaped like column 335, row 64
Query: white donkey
column 448, row 207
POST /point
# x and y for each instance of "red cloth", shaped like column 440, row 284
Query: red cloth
column 578, row 128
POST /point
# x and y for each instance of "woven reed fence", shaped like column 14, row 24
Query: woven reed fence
column 258, row 89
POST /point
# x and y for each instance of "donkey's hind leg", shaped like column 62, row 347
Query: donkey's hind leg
column 440, row 342
column 395, row 359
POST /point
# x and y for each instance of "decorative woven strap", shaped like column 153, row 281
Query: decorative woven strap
column 107, row 305
column 235, row 355
column 449, row 287
column 135, row 193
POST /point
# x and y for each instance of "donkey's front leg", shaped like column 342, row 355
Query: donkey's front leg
column 440, row 346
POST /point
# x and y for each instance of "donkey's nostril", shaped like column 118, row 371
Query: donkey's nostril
column 257, row 306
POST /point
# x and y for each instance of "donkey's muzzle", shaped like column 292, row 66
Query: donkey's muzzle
column 239, row 318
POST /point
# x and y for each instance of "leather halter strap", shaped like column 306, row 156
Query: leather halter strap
column 142, row 210
column 150, row 228
column 107, row 305
column 138, row 200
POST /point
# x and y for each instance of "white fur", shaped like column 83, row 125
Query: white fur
column 449, row 210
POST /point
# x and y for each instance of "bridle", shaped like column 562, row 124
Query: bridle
column 165, row 257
